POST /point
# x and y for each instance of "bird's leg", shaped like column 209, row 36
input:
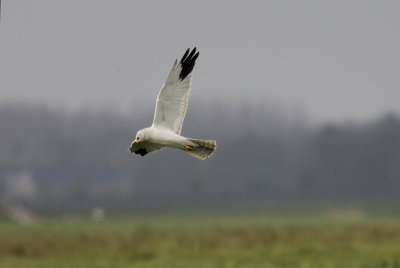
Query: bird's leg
column 187, row 148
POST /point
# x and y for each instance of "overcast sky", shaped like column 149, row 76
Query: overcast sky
column 336, row 59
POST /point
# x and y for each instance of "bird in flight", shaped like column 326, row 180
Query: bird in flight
column 170, row 112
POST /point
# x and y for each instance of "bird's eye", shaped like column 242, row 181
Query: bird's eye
column 137, row 138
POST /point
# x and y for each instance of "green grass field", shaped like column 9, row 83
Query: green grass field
column 284, row 238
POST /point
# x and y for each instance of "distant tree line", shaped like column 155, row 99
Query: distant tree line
column 265, row 156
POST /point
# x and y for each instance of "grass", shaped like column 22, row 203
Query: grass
column 286, row 238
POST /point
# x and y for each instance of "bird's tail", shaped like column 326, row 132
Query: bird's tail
column 200, row 149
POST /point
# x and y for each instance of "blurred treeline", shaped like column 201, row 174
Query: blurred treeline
column 56, row 160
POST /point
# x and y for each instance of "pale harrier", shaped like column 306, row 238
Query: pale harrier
column 170, row 111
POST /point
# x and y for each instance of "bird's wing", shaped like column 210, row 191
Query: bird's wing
column 173, row 97
column 144, row 148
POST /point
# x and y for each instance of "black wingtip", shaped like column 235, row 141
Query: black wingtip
column 187, row 62
column 142, row 152
column 185, row 55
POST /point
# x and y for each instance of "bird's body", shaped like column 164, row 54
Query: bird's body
column 164, row 137
column 169, row 115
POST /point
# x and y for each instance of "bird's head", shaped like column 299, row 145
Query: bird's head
column 139, row 137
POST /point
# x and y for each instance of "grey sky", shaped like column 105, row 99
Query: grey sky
column 336, row 59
